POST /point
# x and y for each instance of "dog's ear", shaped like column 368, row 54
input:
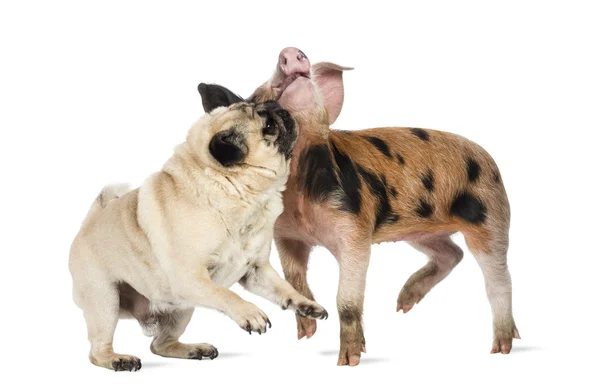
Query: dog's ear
column 214, row 95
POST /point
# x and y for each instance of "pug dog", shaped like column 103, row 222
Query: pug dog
column 188, row 233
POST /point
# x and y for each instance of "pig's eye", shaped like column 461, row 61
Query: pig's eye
column 270, row 128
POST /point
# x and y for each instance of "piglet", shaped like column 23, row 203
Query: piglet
column 350, row 189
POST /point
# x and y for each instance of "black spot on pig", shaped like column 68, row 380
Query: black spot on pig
column 378, row 187
column 427, row 180
column 400, row 159
column 473, row 170
column 468, row 208
column 424, row 209
column 349, row 181
column 317, row 178
column 381, row 145
column 420, row 133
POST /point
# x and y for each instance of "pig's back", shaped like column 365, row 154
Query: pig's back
column 412, row 177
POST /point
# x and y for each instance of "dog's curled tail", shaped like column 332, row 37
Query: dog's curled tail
column 108, row 193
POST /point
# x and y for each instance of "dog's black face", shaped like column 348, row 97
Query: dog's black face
column 246, row 135
column 279, row 126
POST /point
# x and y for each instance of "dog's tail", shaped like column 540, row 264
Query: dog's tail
column 109, row 193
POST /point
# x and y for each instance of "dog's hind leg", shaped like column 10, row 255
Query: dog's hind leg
column 443, row 255
column 170, row 327
column 100, row 304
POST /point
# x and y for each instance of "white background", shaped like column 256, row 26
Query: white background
column 98, row 93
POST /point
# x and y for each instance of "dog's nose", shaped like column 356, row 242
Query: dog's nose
column 293, row 61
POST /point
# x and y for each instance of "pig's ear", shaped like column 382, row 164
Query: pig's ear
column 214, row 95
column 328, row 77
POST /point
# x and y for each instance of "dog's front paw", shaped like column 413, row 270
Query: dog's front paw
column 250, row 318
column 311, row 309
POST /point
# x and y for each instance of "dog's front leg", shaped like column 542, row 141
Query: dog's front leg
column 205, row 293
column 263, row 280
column 353, row 261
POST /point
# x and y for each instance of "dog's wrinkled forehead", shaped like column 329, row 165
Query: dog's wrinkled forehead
column 269, row 111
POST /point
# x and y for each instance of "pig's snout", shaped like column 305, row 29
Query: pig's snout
column 293, row 61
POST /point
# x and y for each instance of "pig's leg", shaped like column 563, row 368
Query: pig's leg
column 353, row 261
column 443, row 255
column 491, row 256
column 294, row 262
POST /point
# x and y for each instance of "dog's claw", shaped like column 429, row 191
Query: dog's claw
column 287, row 304
column 204, row 351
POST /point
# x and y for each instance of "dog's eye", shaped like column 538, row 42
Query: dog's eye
column 270, row 128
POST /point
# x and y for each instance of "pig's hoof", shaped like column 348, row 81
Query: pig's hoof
column 503, row 340
column 352, row 344
column 306, row 327
column 408, row 298
column 350, row 355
